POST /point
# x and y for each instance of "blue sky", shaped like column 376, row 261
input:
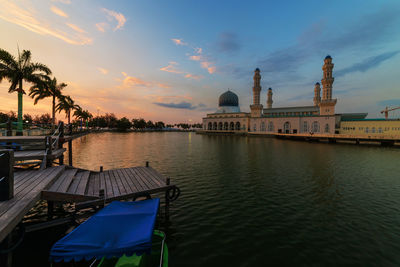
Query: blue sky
column 170, row 60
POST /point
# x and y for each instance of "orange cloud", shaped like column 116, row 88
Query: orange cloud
column 119, row 17
column 74, row 27
column 130, row 81
column 67, row 2
column 179, row 42
column 171, row 68
column 58, row 11
column 103, row 71
column 192, row 76
column 208, row 66
column 195, row 58
column 101, row 26
column 26, row 17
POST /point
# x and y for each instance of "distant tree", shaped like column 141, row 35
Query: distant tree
column 111, row 120
column 16, row 71
column 150, row 124
column 12, row 116
column 123, row 124
column 28, row 118
column 44, row 119
column 3, row 117
column 159, row 125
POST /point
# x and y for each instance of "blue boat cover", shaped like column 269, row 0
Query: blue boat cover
column 119, row 228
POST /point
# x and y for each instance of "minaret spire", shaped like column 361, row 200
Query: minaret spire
column 317, row 94
column 269, row 98
column 256, row 108
column 256, row 87
column 327, row 79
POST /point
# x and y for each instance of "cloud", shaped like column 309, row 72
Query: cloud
column 228, row 42
column 101, row 26
column 366, row 64
column 74, row 27
column 208, row 66
column 172, row 68
column 181, row 105
column 130, row 81
column 28, row 18
column 103, row 71
column 58, row 11
column 179, row 42
column 67, row 2
column 193, row 76
column 365, row 34
column 195, row 58
column 119, row 17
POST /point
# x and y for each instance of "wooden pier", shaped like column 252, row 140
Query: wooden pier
column 85, row 188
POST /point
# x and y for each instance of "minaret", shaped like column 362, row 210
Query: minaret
column 256, row 108
column 317, row 94
column 256, row 87
column 327, row 104
column 269, row 98
column 327, row 80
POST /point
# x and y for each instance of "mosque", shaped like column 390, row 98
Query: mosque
column 317, row 118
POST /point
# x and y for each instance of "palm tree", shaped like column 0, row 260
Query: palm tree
column 16, row 71
column 48, row 89
column 66, row 104
column 83, row 115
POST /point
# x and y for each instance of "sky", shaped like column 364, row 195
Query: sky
column 170, row 60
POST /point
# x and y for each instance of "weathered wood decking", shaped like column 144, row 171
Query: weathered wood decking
column 80, row 185
column 67, row 184
column 27, row 189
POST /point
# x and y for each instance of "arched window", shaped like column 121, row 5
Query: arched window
column 255, row 127
column 215, row 126
column 262, row 127
column 220, row 126
column 225, row 126
column 238, row 126
column 270, row 126
column 380, row 130
column 232, row 126
column 366, row 129
column 209, row 126
column 327, row 128
column 305, row 127
column 315, row 127
column 286, row 127
column 373, row 129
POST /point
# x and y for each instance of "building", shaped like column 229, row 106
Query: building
column 316, row 118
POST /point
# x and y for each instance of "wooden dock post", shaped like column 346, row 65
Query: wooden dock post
column 70, row 145
column 101, row 170
column 61, row 141
column 168, row 182
column 147, row 164
column 102, row 196
column 49, row 149
column 6, row 174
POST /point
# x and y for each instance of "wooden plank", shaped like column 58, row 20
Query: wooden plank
column 96, row 184
column 65, row 197
column 143, row 179
column 67, row 181
column 158, row 175
column 102, row 183
column 26, row 200
column 114, row 184
column 61, row 179
column 90, row 185
column 109, row 192
column 149, row 177
column 135, row 179
column 83, row 183
column 75, row 182
column 117, row 179
column 128, row 180
column 152, row 177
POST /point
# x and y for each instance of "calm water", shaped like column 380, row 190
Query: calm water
column 251, row 201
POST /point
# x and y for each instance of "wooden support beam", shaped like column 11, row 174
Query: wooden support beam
column 6, row 174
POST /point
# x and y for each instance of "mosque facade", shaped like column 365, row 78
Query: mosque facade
column 318, row 118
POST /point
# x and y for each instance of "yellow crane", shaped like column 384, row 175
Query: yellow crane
column 386, row 111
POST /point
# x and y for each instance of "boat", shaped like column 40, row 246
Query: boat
column 121, row 234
